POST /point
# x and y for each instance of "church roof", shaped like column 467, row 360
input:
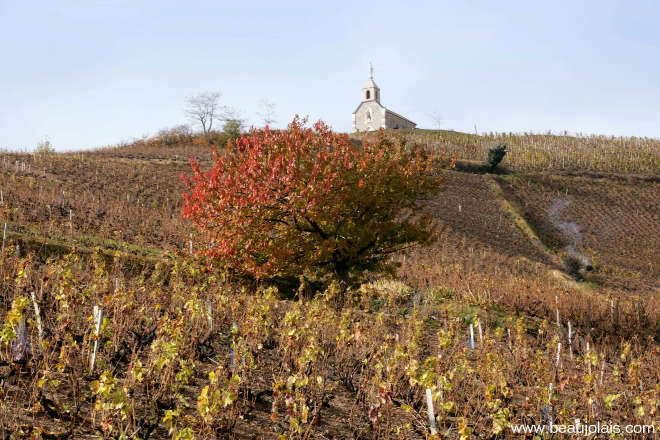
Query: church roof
column 396, row 114
column 370, row 84
column 373, row 102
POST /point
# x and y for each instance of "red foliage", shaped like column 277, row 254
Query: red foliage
column 306, row 200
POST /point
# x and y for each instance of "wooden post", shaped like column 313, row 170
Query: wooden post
column 616, row 314
column 232, row 353
column 21, row 346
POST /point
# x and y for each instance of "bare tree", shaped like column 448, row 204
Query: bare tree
column 203, row 109
column 437, row 119
column 267, row 113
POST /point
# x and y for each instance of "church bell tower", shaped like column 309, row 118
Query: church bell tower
column 371, row 92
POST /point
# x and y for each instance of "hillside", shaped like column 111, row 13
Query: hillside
column 104, row 228
column 584, row 154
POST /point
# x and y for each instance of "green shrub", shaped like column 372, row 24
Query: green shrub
column 572, row 265
column 232, row 128
column 495, row 155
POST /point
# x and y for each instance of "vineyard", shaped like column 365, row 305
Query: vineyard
column 555, row 152
column 113, row 326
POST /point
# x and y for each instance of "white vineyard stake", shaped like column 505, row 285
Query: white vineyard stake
column 558, row 353
column 4, row 237
column 38, row 315
column 431, row 411
column 98, row 314
column 191, row 244
column 570, row 341
column 481, row 334
column 471, row 342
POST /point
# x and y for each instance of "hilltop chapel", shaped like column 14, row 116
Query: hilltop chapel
column 371, row 115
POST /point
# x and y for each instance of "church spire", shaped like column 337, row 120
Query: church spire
column 371, row 92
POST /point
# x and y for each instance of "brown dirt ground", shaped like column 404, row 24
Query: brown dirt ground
column 618, row 221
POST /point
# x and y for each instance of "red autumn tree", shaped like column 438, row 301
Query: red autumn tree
column 308, row 201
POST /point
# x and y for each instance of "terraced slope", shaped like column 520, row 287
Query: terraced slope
column 612, row 223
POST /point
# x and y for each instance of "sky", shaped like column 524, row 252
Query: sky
column 86, row 74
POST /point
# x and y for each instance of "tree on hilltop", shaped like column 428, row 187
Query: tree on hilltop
column 204, row 109
column 267, row 111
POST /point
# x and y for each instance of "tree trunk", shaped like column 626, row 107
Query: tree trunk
column 342, row 274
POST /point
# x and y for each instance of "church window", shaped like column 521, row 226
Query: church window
column 368, row 94
column 369, row 115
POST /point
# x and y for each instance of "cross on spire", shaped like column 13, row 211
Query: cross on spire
column 371, row 70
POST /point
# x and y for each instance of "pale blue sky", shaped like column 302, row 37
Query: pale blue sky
column 88, row 73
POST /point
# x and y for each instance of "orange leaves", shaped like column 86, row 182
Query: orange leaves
column 308, row 200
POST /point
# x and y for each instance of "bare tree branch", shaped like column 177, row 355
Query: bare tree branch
column 437, row 119
column 203, row 109
column 267, row 112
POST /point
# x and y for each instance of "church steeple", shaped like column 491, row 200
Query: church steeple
column 371, row 92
